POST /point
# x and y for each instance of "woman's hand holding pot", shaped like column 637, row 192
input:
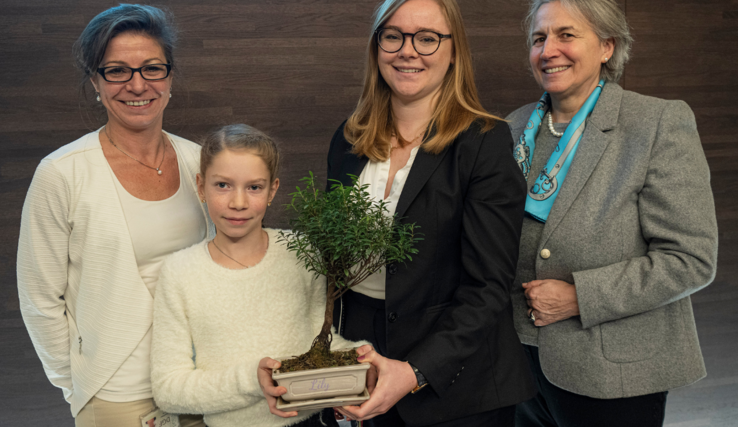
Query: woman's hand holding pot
column 388, row 382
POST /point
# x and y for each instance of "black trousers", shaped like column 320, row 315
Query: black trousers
column 556, row 407
column 363, row 318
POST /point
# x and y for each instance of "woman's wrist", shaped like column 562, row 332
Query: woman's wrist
column 420, row 379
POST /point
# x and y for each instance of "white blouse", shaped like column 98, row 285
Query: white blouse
column 376, row 175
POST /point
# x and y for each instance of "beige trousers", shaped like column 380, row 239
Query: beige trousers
column 101, row 413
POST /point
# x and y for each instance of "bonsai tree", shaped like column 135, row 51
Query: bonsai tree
column 346, row 236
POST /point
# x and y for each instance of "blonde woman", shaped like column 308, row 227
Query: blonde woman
column 445, row 346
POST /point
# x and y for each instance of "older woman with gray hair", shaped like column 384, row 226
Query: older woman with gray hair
column 619, row 228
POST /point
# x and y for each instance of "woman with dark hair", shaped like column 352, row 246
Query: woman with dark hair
column 619, row 229
column 441, row 326
column 100, row 216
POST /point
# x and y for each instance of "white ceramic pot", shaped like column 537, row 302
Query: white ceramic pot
column 323, row 383
column 331, row 402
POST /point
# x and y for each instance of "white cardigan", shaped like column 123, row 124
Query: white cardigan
column 232, row 319
column 81, row 296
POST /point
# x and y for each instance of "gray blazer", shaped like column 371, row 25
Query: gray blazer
column 634, row 229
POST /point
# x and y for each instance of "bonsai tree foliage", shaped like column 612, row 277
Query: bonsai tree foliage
column 346, row 236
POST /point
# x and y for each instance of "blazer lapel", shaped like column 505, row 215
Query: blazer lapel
column 351, row 165
column 594, row 142
column 423, row 167
column 516, row 129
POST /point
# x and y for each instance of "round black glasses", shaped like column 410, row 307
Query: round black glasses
column 424, row 42
column 118, row 74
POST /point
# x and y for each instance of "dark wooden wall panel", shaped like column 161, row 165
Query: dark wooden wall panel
column 293, row 68
column 685, row 49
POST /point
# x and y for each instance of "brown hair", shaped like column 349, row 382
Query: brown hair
column 371, row 126
column 240, row 137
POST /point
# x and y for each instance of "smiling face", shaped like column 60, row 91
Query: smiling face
column 566, row 54
column 237, row 189
column 410, row 76
column 137, row 104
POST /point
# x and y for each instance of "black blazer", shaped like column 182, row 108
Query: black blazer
column 448, row 311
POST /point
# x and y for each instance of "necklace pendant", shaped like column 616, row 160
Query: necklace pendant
column 158, row 171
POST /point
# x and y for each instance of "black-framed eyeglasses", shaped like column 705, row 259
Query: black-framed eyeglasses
column 118, row 74
column 424, row 42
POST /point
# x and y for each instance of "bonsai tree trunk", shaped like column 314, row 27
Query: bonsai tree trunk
column 323, row 341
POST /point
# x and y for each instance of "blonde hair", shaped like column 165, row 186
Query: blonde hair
column 240, row 137
column 371, row 126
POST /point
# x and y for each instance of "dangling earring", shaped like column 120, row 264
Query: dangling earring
column 98, row 96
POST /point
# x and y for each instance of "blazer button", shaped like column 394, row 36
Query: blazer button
column 392, row 317
column 545, row 254
column 392, row 269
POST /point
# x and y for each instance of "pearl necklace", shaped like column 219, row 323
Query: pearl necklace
column 551, row 127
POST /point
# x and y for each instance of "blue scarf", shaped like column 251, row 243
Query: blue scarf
column 542, row 194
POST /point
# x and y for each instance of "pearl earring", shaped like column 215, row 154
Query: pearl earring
column 606, row 59
column 98, row 97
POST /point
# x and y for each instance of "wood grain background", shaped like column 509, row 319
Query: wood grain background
column 293, row 68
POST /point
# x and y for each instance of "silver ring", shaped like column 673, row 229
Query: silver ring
column 532, row 317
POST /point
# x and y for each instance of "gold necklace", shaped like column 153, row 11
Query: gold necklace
column 233, row 259
column 157, row 169
column 394, row 147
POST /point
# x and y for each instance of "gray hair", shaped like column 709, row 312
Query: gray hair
column 90, row 47
column 607, row 21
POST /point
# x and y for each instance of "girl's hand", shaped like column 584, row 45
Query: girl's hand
column 395, row 380
column 269, row 388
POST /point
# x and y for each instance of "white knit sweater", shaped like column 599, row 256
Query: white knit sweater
column 233, row 318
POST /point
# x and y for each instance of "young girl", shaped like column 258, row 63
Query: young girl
column 223, row 305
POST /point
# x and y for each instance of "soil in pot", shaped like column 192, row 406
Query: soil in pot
column 318, row 358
